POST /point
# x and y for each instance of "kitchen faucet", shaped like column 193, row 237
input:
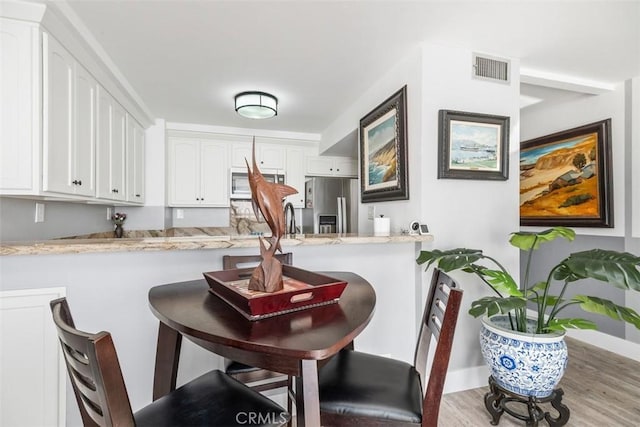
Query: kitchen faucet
column 290, row 223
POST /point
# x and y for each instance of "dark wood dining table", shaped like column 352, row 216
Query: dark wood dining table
column 296, row 343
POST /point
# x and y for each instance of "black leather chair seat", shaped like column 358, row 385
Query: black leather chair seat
column 184, row 406
column 361, row 384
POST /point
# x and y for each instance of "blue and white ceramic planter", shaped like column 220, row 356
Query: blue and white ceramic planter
column 527, row 364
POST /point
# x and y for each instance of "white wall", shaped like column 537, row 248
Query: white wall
column 632, row 242
column 468, row 213
column 581, row 111
column 406, row 72
column 477, row 214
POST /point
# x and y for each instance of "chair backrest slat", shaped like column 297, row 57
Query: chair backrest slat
column 94, row 370
column 439, row 321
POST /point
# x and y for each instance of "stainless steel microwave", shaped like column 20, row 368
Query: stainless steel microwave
column 239, row 181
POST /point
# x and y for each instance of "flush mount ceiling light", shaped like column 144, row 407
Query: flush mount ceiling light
column 256, row 105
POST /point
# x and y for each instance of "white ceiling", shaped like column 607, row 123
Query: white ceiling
column 187, row 59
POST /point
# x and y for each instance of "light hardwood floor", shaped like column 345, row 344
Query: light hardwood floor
column 601, row 389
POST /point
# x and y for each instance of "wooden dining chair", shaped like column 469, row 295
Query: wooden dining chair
column 257, row 378
column 364, row 389
column 213, row 399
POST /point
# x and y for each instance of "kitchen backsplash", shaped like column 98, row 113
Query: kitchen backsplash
column 243, row 220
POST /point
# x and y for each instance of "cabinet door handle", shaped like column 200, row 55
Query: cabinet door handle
column 79, row 182
column 137, row 195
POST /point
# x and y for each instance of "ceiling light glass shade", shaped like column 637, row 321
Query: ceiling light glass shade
column 256, row 105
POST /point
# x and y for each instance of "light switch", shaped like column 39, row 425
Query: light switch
column 39, row 212
column 371, row 213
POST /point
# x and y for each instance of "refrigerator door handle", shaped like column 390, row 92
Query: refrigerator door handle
column 340, row 215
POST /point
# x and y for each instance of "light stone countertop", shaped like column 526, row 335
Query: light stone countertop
column 144, row 244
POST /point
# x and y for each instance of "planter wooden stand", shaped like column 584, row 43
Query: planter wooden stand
column 499, row 401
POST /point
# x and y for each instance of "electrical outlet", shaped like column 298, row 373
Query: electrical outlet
column 179, row 213
column 371, row 213
column 109, row 213
column 39, row 212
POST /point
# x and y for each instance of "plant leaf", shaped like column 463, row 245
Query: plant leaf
column 527, row 240
column 502, row 282
column 619, row 269
column 562, row 324
column 564, row 273
column 495, row 305
column 451, row 259
column 608, row 308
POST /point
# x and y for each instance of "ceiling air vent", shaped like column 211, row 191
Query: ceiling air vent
column 488, row 68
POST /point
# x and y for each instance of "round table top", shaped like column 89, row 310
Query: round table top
column 313, row 333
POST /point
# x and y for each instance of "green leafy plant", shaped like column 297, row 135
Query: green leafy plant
column 619, row 269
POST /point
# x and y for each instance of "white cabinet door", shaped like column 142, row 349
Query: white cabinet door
column 239, row 152
column 295, row 175
column 331, row 166
column 19, row 98
column 58, row 174
column 135, row 154
column 214, row 174
column 110, row 161
column 198, row 173
column 85, row 132
column 183, row 175
column 69, row 119
column 345, row 166
column 268, row 156
column 271, row 156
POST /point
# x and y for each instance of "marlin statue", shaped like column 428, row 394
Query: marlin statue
column 266, row 198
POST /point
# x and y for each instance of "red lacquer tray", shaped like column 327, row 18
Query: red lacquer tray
column 302, row 290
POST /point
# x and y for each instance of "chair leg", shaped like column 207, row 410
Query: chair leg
column 290, row 398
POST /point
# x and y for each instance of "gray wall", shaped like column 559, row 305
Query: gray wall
column 550, row 254
column 61, row 219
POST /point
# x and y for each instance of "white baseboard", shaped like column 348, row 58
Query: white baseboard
column 466, row 379
column 607, row 342
column 469, row 378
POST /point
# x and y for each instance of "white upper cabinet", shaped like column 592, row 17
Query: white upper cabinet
column 110, row 158
column 331, row 166
column 62, row 135
column 69, row 127
column 268, row 156
column 197, row 173
column 19, row 98
column 135, row 155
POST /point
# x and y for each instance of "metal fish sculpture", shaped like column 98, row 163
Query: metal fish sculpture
column 266, row 198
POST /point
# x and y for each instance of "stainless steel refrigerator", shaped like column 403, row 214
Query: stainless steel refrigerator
column 331, row 206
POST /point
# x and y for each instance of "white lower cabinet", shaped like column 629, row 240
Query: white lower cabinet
column 197, row 173
column 31, row 360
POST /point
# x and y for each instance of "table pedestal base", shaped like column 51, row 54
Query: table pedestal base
column 499, row 401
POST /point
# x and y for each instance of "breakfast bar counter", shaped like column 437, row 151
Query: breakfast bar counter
column 193, row 242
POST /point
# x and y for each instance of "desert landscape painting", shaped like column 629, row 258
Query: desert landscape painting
column 560, row 179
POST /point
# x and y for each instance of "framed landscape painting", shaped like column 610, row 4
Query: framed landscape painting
column 383, row 151
column 473, row 146
column 565, row 178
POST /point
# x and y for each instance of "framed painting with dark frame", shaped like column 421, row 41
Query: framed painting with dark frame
column 565, row 178
column 473, row 146
column 383, row 151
